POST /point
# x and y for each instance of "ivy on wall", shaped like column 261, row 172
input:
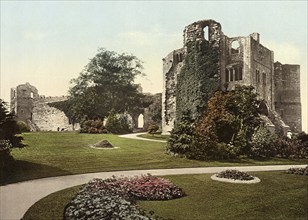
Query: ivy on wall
column 198, row 80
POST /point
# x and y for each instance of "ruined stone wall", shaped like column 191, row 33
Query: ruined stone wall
column 172, row 65
column 186, row 90
column 287, row 94
column 22, row 101
column 33, row 109
column 241, row 61
column 262, row 71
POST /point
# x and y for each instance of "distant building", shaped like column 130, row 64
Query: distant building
column 28, row 106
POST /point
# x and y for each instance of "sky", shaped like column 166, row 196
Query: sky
column 48, row 43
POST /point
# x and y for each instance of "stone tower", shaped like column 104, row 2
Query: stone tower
column 22, row 101
column 241, row 61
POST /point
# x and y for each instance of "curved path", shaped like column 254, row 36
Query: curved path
column 135, row 136
column 17, row 198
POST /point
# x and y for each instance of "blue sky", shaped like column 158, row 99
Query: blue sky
column 47, row 43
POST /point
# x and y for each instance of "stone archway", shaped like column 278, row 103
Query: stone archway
column 263, row 108
column 140, row 124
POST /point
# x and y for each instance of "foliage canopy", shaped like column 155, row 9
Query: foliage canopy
column 106, row 83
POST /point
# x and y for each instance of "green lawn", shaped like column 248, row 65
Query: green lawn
column 56, row 153
column 277, row 196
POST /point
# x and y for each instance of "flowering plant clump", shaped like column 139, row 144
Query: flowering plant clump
column 234, row 174
column 115, row 198
column 298, row 171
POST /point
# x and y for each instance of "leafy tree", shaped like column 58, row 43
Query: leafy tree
column 118, row 123
column 8, row 139
column 231, row 118
column 106, row 83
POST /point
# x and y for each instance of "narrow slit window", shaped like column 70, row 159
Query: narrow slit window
column 236, row 74
column 227, row 75
column 240, row 73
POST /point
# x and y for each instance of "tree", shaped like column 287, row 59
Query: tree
column 230, row 120
column 106, row 83
column 8, row 138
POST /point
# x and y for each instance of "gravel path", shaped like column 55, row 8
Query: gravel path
column 17, row 198
column 135, row 136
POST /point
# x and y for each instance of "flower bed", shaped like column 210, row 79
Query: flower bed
column 235, row 176
column 298, row 171
column 115, row 198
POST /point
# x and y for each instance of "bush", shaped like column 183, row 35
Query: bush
column 263, row 143
column 298, row 171
column 8, row 139
column 234, row 174
column 115, row 198
column 303, row 137
column 23, row 127
column 6, row 158
column 290, row 148
column 153, row 128
column 118, row 124
column 183, row 138
column 93, row 127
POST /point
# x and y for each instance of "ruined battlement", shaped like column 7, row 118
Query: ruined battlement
column 33, row 109
column 243, row 60
column 51, row 99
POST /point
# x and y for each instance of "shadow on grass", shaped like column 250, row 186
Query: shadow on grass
column 24, row 170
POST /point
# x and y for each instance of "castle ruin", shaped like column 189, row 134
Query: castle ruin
column 33, row 109
column 240, row 61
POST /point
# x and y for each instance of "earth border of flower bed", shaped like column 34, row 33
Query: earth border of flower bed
column 226, row 180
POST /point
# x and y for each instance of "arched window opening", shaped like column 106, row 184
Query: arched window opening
column 263, row 109
column 206, row 33
column 140, row 121
column 235, row 47
column 31, row 95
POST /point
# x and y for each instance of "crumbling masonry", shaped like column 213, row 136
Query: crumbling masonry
column 241, row 61
column 33, row 109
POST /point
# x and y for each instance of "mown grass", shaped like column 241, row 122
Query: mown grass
column 56, row 153
column 277, row 196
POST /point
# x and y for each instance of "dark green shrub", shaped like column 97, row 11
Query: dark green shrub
column 118, row 124
column 8, row 139
column 23, row 127
column 183, row 138
column 263, row 143
column 93, row 127
column 303, row 137
column 298, row 171
column 153, row 128
column 290, row 148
